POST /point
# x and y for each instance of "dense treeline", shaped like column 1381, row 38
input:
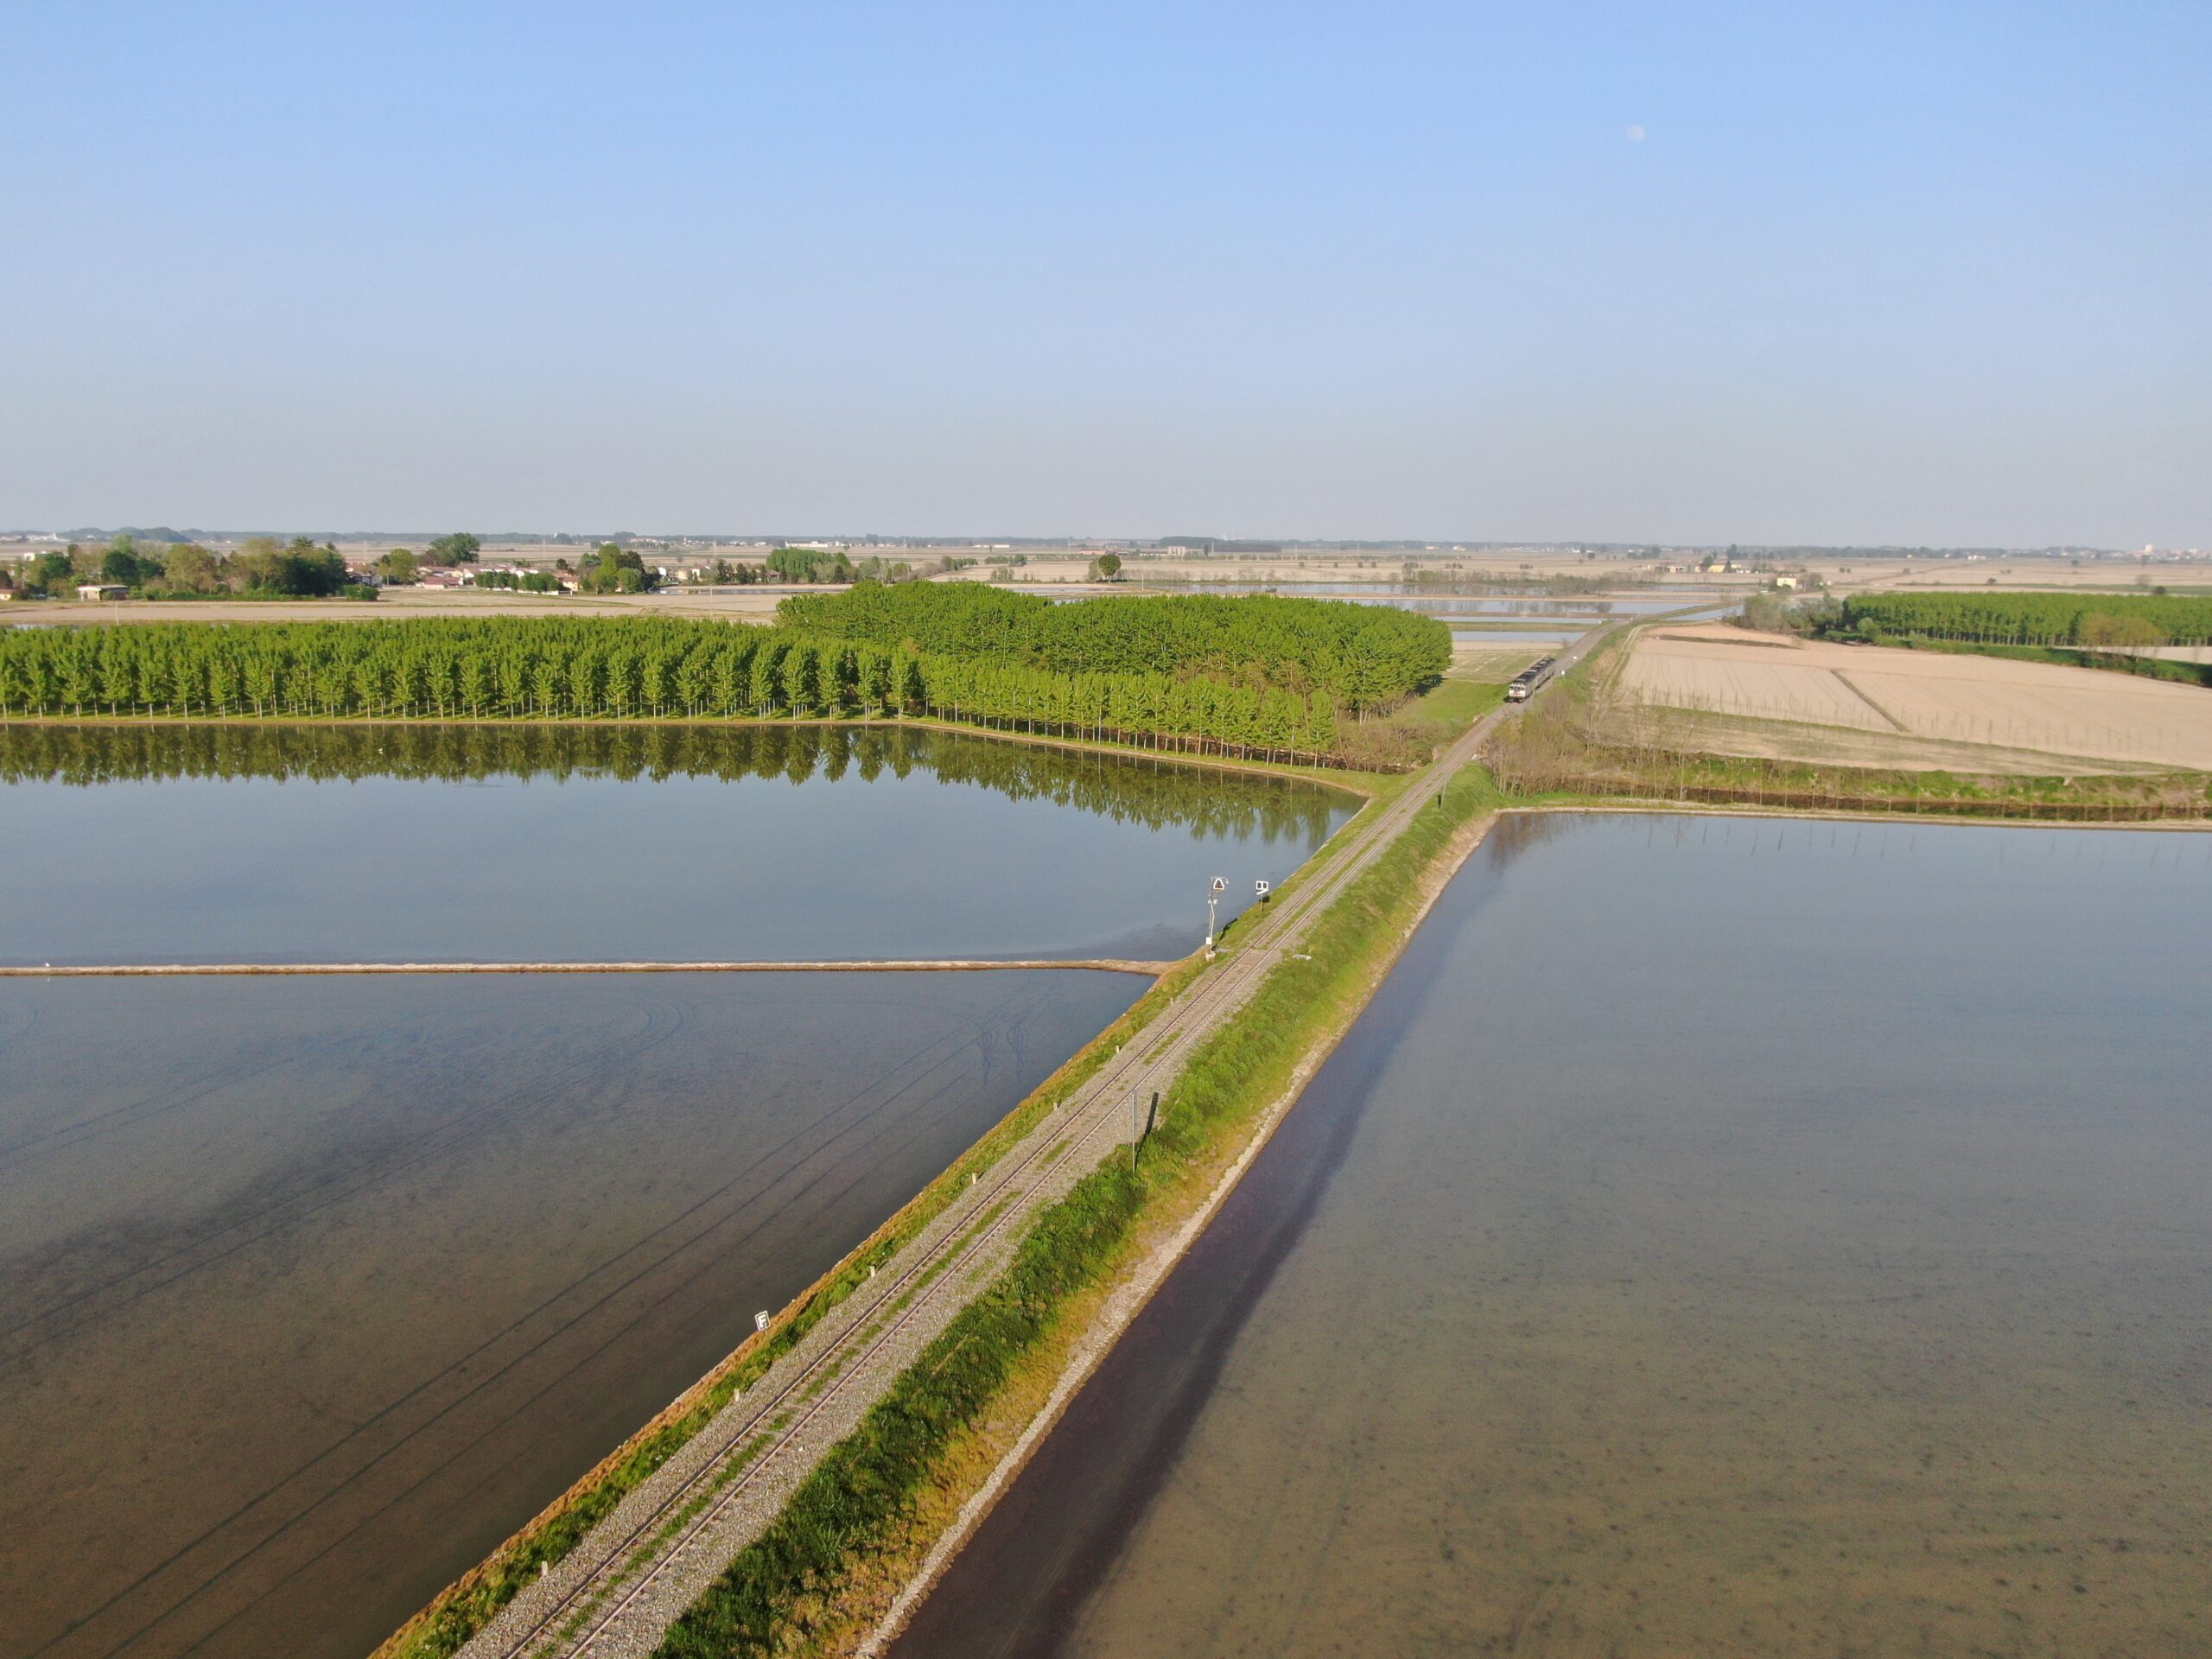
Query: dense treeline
column 1126, row 788
column 1362, row 656
column 2091, row 621
column 600, row 668
column 263, row 569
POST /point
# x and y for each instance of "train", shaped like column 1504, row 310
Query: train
column 1525, row 682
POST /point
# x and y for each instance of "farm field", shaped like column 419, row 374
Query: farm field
column 2013, row 717
column 1495, row 664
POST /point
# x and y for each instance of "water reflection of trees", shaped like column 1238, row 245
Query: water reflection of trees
column 1136, row 789
column 1516, row 833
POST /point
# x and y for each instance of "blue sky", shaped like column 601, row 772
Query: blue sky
column 1926, row 274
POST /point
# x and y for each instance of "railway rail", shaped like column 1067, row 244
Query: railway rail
column 632, row 1575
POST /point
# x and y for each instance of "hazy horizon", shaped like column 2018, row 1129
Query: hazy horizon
column 1892, row 276
column 1472, row 546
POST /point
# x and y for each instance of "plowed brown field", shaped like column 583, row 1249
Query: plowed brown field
column 1919, row 698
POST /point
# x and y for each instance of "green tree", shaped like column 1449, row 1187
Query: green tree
column 300, row 571
column 617, row 571
column 50, row 575
column 809, row 564
column 460, row 547
column 124, row 564
column 2131, row 635
column 1107, row 567
column 399, row 565
column 191, row 569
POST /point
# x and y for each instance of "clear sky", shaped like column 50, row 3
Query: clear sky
column 1927, row 273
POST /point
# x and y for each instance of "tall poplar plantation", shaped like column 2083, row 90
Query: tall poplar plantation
column 2027, row 619
column 1262, row 676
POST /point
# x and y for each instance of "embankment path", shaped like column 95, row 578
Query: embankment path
column 619, row 1589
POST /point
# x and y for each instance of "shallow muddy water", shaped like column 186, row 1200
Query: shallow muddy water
column 580, row 844
column 1717, row 1238
column 312, row 1290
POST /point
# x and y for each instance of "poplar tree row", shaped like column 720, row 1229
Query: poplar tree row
column 1364, row 657
column 599, row 668
column 2033, row 618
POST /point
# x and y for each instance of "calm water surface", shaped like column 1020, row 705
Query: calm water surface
column 1717, row 1238
column 311, row 1291
column 799, row 843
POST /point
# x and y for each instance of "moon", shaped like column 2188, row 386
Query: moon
column 1635, row 135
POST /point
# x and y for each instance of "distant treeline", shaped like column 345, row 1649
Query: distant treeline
column 1123, row 787
column 601, row 668
column 263, row 569
column 1362, row 656
column 2111, row 621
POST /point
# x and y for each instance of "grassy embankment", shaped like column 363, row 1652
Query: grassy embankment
column 1452, row 705
column 862, row 1521
column 466, row 1606
column 1567, row 747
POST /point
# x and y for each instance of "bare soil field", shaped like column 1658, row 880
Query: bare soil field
column 2018, row 716
column 1685, row 731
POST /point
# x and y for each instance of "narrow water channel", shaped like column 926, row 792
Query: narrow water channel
column 1717, row 1238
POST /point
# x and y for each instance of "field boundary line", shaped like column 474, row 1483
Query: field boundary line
column 1859, row 691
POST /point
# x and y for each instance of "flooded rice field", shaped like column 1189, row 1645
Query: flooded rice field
column 1445, row 602
column 312, row 1290
column 1717, row 1238
column 598, row 844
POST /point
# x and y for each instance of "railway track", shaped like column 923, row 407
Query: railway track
column 649, row 1551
